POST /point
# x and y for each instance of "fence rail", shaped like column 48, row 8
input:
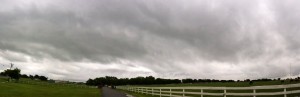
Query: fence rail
column 225, row 91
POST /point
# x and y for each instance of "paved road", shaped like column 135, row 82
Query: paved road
column 108, row 92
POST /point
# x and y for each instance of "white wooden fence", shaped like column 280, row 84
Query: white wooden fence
column 201, row 91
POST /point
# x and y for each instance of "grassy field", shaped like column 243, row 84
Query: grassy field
column 226, row 84
column 12, row 89
column 220, row 84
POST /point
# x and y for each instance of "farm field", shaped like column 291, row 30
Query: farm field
column 225, row 84
column 217, row 84
column 12, row 89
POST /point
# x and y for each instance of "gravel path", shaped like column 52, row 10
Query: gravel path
column 108, row 92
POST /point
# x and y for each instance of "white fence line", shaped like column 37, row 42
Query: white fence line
column 183, row 91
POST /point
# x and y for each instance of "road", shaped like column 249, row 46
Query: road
column 108, row 92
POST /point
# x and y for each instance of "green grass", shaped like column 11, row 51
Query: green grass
column 136, row 94
column 226, row 84
column 12, row 89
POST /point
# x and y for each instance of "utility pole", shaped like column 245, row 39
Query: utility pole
column 11, row 65
column 290, row 71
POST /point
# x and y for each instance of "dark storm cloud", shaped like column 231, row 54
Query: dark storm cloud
column 60, row 31
column 198, row 38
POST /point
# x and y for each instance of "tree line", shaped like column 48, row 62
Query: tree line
column 149, row 80
column 16, row 74
column 111, row 80
column 33, row 77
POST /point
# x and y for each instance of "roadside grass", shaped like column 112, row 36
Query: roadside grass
column 11, row 89
column 136, row 94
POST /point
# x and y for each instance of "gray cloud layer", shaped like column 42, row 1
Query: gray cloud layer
column 230, row 39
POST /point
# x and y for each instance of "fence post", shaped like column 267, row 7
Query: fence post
column 159, row 92
column 170, row 92
column 285, row 92
column 183, row 94
column 201, row 92
column 224, row 92
column 152, row 92
column 254, row 93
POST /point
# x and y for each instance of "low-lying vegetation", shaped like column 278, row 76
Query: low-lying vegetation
column 35, row 88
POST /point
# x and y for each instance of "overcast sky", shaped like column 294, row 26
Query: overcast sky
column 221, row 39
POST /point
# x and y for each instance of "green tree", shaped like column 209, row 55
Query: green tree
column 43, row 78
column 13, row 74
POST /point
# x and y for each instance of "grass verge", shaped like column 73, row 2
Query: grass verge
column 136, row 94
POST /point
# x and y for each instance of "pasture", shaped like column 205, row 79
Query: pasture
column 42, row 89
column 225, row 84
column 213, row 89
